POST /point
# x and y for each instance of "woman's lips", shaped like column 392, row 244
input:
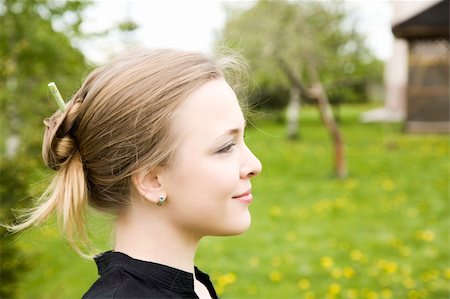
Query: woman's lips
column 244, row 197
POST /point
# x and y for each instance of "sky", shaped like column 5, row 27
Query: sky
column 192, row 25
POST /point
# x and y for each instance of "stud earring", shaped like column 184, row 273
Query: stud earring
column 161, row 200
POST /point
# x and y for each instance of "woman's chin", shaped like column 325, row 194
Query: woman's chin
column 237, row 227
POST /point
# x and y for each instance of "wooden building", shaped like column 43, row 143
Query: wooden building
column 428, row 89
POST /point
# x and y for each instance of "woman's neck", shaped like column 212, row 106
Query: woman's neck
column 143, row 234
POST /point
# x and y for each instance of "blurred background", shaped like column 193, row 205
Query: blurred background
column 350, row 118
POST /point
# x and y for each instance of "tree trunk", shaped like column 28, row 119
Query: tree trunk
column 293, row 113
column 317, row 92
column 340, row 167
column 12, row 136
column 296, row 92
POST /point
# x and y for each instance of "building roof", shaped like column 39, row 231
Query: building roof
column 433, row 22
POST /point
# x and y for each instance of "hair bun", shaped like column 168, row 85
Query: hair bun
column 59, row 142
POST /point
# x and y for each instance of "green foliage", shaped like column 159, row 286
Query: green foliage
column 32, row 54
column 300, row 32
column 380, row 233
column 128, row 26
column 12, row 189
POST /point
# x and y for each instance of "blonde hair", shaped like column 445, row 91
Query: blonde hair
column 117, row 124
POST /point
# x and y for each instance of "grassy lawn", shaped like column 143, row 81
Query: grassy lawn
column 381, row 233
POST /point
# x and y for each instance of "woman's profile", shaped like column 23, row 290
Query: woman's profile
column 156, row 138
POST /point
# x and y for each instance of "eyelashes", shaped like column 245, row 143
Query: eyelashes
column 227, row 149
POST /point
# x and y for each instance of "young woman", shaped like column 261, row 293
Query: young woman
column 156, row 137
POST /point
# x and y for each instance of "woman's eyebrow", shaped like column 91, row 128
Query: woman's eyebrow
column 231, row 132
column 234, row 131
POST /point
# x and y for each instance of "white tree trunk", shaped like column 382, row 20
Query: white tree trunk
column 293, row 113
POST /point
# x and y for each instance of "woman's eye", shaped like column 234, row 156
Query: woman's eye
column 227, row 148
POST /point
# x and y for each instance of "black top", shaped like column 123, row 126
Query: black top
column 122, row 276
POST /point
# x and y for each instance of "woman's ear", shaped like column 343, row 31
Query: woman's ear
column 148, row 186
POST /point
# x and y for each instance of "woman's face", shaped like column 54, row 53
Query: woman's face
column 212, row 167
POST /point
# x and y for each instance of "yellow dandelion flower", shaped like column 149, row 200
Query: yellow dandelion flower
column 425, row 235
column 396, row 243
column 323, row 206
column 386, row 294
column 424, row 293
column 219, row 289
column 336, row 273
column 275, row 211
column 356, row 255
column 226, row 279
column 275, row 276
column 447, row 273
column 391, row 267
column 252, row 289
column 230, row 278
column 429, row 275
column 381, row 263
column 351, row 294
column 401, row 197
column 388, row 185
column 334, row 289
column 371, row 295
column 412, row 212
column 291, row 236
column 431, row 252
column 309, row 295
column 405, row 251
column 254, row 261
column 340, row 202
column 49, row 232
column 304, row 284
column 414, row 294
column 387, row 266
column 326, row 262
column 348, row 272
column 276, row 261
column 351, row 184
column 409, row 283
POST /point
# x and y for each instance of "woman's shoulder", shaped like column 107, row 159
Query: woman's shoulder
column 122, row 276
column 120, row 283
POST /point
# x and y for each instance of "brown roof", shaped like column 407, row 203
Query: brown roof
column 430, row 23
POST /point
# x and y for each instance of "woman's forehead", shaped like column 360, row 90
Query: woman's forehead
column 211, row 107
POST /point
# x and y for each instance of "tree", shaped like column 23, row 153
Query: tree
column 301, row 47
column 32, row 54
column 295, row 30
column 12, row 187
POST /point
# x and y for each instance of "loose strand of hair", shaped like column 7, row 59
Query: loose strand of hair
column 67, row 195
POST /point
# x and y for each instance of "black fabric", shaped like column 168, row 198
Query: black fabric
column 122, row 276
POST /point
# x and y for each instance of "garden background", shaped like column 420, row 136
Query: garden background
column 380, row 232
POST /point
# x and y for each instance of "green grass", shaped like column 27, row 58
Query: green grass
column 381, row 233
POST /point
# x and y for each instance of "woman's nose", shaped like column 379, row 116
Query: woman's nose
column 251, row 165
